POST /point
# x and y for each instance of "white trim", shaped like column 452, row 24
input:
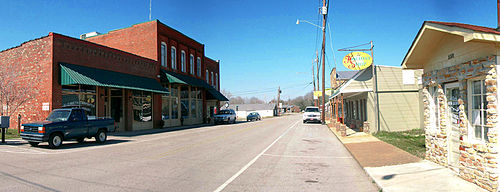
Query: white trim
column 471, row 134
column 198, row 67
column 356, row 90
column 163, row 55
column 191, row 64
column 467, row 34
column 183, row 61
column 173, row 60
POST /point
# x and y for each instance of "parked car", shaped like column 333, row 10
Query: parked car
column 253, row 116
column 311, row 114
column 66, row 124
column 225, row 116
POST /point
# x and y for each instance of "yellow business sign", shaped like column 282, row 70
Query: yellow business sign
column 357, row 60
column 328, row 92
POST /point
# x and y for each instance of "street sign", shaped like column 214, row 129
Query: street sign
column 357, row 60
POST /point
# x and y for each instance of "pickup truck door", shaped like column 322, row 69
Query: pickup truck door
column 77, row 125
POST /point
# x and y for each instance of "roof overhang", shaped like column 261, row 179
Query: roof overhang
column 428, row 39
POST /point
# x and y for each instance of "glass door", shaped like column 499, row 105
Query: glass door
column 452, row 92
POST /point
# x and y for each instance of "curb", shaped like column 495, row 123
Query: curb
column 357, row 161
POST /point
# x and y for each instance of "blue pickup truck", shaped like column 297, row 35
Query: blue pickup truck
column 66, row 124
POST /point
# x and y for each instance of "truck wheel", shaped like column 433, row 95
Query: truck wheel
column 55, row 140
column 33, row 144
column 80, row 140
column 101, row 136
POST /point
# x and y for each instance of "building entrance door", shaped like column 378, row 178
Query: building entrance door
column 116, row 108
column 452, row 92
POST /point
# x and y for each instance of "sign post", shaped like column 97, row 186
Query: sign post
column 359, row 60
column 4, row 125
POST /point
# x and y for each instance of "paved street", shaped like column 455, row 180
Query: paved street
column 278, row 154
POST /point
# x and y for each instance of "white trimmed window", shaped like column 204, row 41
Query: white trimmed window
column 191, row 64
column 212, row 78
column 198, row 66
column 216, row 81
column 173, row 57
column 163, row 54
column 477, row 110
column 183, row 61
column 206, row 76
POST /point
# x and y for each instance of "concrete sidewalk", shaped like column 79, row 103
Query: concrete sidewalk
column 396, row 170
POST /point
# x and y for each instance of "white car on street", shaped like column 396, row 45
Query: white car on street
column 311, row 114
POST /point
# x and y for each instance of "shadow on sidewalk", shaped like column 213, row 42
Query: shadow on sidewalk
column 169, row 129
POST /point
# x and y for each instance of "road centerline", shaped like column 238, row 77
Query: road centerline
column 232, row 178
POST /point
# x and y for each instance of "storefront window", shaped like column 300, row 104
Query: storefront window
column 165, row 105
column 142, row 106
column 185, row 102
column 174, row 98
column 478, row 110
column 80, row 96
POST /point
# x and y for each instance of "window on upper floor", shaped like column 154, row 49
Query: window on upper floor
column 206, row 76
column 183, row 61
column 163, row 54
column 216, row 81
column 191, row 64
column 173, row 56
column 198, row 66
column 212, row 78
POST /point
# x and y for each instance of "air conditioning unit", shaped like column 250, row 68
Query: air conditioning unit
column 91, row 34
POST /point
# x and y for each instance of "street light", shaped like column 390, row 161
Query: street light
column 324, row 12
column 298, row 22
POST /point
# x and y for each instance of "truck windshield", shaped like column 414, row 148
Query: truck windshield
column 59, row 115
column 224, row 112
column 312, row 110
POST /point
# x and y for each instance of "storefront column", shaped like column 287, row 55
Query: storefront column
column 157, row 104
column 128, row 110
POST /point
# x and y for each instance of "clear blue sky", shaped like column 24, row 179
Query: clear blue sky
column 258, row 42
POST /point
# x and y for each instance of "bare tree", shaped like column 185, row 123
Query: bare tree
column 15, row 88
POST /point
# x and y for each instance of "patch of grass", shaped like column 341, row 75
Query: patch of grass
column 11, row 134
column 412, row 141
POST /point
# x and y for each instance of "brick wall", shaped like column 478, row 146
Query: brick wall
column 84, row 53
column 34, row 59
column 139, row 39
column 212, row 66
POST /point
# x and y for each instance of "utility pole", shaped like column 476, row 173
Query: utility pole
column 314, row 83
column 317, row 76
column 324, row 11
column 278, row 103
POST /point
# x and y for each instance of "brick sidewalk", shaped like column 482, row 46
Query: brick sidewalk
column 396, row 170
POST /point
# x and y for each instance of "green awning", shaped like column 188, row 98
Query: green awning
column 75, row 74
column 172, row 77
column 216, row 95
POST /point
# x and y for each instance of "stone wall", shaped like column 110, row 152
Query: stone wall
column 478, row 160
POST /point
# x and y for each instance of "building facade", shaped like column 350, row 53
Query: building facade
column 460, row 95
column 190, row 76
column 130, row 82
column 354, row 103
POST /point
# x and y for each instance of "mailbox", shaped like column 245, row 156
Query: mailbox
column 4, row 121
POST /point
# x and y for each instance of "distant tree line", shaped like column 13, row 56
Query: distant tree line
column 301, row 101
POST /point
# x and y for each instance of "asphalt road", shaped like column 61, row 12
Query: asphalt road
column 278, row 154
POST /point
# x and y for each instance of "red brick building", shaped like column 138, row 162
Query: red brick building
column 193, row 98
column 122, row 74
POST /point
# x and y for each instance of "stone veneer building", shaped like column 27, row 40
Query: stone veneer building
column 460, row 95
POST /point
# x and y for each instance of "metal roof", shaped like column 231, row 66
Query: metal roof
column 76, row 74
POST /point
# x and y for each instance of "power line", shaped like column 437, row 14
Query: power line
column 270, row 88
column 269, row 91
